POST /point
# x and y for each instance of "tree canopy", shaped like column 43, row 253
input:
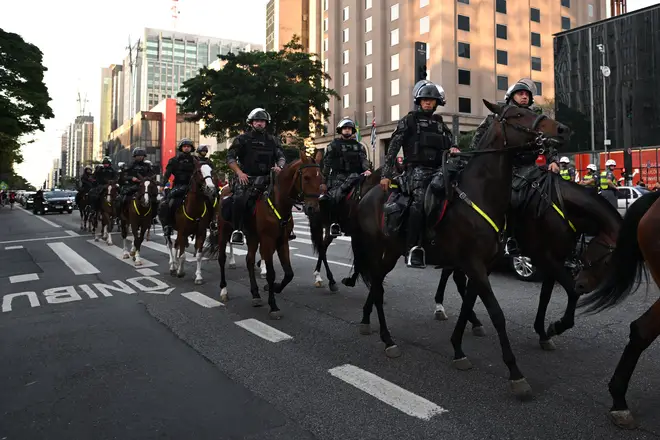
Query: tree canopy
column 289, row 84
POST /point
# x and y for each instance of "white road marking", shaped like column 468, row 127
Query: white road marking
column 13, row 248
column 45, row 220
column 329, row 261
column 306, row 232
column 387, row 392
column 71, row 258
column 118, row 253
column 23, row 278
column 202, row 299
column 72, row 233
column 147, row 272
column 163, row 249
column 25, row 240
column 262, row 330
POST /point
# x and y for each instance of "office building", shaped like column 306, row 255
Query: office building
column 284, row 19
column 80, row 145
column 106, row 111
column 476, row 49
column 64, row 153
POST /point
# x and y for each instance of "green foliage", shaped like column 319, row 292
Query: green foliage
column 465, row 139
column 15, row 182
column 219, row 161
column 289, row 84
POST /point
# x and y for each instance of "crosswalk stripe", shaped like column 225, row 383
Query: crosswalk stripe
column 71, row 258
column 118, row 253
column 329, row 261
column 202, row 300
column 23, row 278
column 262, row 330
column 11, row 248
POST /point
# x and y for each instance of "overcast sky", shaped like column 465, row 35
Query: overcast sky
column 78, row 40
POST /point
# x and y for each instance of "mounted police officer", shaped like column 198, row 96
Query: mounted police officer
column 103, row 175
column 202, row 155
column 608, row 183
column 589, row 180
column 85, row 184
column 132, row 176
column 258, row 153
column 566, row 171
column 182, row 168
column 343, row 156
column 424, row 137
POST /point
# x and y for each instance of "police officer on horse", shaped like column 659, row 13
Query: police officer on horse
column 103, row 175
column 132, row 176
column 182, row 168
column 202, row 155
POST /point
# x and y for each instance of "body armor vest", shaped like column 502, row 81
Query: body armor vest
column 185, row 167
column 259, row 156
column 427, row 145
column 604, row 175
column 346, row 156
column 104, row 175
column 565, row 174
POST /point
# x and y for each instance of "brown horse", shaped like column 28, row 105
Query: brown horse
column 138, row 213
column 270, row 227
column 107, row 199
column 82, row 200
column 192, row 218
column 638, row 242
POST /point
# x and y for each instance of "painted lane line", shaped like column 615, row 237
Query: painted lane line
column 164, row 250
column 202, row 300
column 147, row 272
column 45, row 220
column 306, row 232
column 26, row 240
column 71, row 258
column 329, row 261
column 72, row 233
column 13, row 248
column 387, row 392
column 118, row 253
column 23, row 278
column 262, row 330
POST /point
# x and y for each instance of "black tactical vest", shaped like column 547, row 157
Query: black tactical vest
column 259, row 154
column 425, row 148
column 346, row 156
column 185, row 167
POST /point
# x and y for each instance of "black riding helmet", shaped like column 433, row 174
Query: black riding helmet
column 519, row 87
column 139, row 152
column 258, row 114
column 107, row 161
column 431, row 91
column 203, row 149
column 186, row 141
column 346, row 122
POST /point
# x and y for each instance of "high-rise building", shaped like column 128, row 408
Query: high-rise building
column 475, row 50
column 80, row 146
column 117, row 98
column 105, row 122
column 64, row 154
column 284, row 19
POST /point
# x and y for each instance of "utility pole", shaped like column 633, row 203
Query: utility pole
column 132, row 62
column 605, row 70
column 591, row 96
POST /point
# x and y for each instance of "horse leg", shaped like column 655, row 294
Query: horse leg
column 232, row 260
column 252, row 245
column 285, row 260
column 643, row 331
column 222, row 260
column 568, row 320
column 124, row 235
column 332, row 284
column 171, row 246
column 317, row 237
column 108, row 228
column 181, row 244
column 95, row 226
column 440, row 313
column 460, row 279
column 318, row 279
column 262, row 268
column 539, row 323
column 200, row 238
column 139, row 231
column 388, row 263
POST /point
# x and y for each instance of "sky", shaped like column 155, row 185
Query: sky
column 77, row 41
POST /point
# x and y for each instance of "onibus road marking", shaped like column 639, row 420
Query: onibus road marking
column 65, row 294
column 387, row 392
column 262, row 330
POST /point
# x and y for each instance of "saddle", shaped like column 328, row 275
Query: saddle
column 531, row 180
column 259, row 186
column 349, row 188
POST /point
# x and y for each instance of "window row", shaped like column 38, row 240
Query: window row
column 465, row 79
column 502, row 56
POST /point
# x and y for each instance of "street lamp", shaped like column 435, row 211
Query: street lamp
column 605, row 70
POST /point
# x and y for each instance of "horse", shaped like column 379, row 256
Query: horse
column 470, row 231
column 192, row 218
column 637, row 244
column 584, row 213
column 139, row 215
column 269, row 228
column 106, row 202
column 321, row 222
column 82, row 200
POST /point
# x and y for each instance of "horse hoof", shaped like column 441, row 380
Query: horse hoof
column 138, row 263
column 333, row 287
column 257, row 302
column 623, row 419
column 479, row 331
column 199, row 281
column 173, row 272
column 548, row 345
column 181, row 274
column 125, row 257
column 266, row 289
column 263, row 275
column 232, row 265
column 277, row 314
column 348, row 282
column 365, row 329
column 440, row 315
column 224, row 295
column 462, row 364
column 521, row 389
column 318, row 284
column 96, row 239
column 393, row 352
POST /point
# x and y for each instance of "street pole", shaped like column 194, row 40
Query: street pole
column 603, row 71
column 591, row 94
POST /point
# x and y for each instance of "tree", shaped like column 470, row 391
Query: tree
column 465, row 140
column 547, row 106
column 219, row 161
column 14, row 181
column 289, row 84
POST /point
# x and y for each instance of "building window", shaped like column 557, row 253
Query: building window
column 590, row 9
column 346, row 101
column 464, row 105
column 539, row 88
column 428, row 51
column 464, row 77
column 368, row 94
column 502, row 57
column 394, row 62
column 325, row 65
column 565, row 23
column 325, row 45
column 394, row 12
column 325, row 24
column 566, row 3
column 536, row 63
column 500, row 30
column 345, row 58
column 423, row 3
column 325, row 5
column 500, row 6
column 345, row 13
column 368, row 4
column 536, row 39
column 345, row 79
column 344, row 35
column 368, row 48
column 535, row 15
column 394, row 37
column 502, row 82
column 464, row 50
column 368, row 71
column 464, row 23
column 368, row 24
column 394, row 87
column 424, row 25
column 467, row 2
column 394, row 112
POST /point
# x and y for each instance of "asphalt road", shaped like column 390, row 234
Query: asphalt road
column 93, row 347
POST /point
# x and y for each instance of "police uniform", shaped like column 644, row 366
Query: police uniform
column 424, row 137
column 202, row 155
column 567, row 174
column 606, row 191
column 182, row 168
column 102, row 177
column 139, row 169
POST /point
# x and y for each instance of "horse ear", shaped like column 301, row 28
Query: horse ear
column 303, row 155
column 495, row 108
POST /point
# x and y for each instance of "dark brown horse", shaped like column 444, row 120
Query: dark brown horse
column 584, row 212
column 468, row 235
column 138, row 213
column 82, row 200
column 269, row 228
column 106, row 211
column 192, row 218
column 638, row 242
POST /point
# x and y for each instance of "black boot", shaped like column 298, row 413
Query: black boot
column 335, row 230
column 416, row 255
column 511, row 247
column 164, row 215
column 237, row 236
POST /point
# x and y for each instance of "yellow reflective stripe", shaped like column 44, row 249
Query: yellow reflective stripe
column 564, row 217
column 277, row 214
column 485, row 216
column 183, row 208
column 393, row 185
column 137, row 211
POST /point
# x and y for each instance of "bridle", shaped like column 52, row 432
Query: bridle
column 298, row 184
column 588, row 264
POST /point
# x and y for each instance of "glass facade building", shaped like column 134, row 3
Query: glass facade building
column 627, row 106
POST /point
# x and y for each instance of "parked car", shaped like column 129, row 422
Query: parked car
column 627, row 195
column 28, row 200
column 54, row 201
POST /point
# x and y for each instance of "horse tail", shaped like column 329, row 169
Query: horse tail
column 627, row 266
column 361, row 257
column 316, row 229
column 211, row 246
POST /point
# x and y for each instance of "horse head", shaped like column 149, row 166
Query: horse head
column 523, row 128
column 202, row 179
column 302, row 178
column 111, row 191
column 147, row 192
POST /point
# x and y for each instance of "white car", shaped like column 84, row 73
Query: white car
column 629, row 194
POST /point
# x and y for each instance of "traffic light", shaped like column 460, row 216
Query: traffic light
column 420, row 61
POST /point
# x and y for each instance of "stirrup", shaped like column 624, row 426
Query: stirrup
column 237, row 238
column 511, row 247
column 420, row 255
column 335, row 229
